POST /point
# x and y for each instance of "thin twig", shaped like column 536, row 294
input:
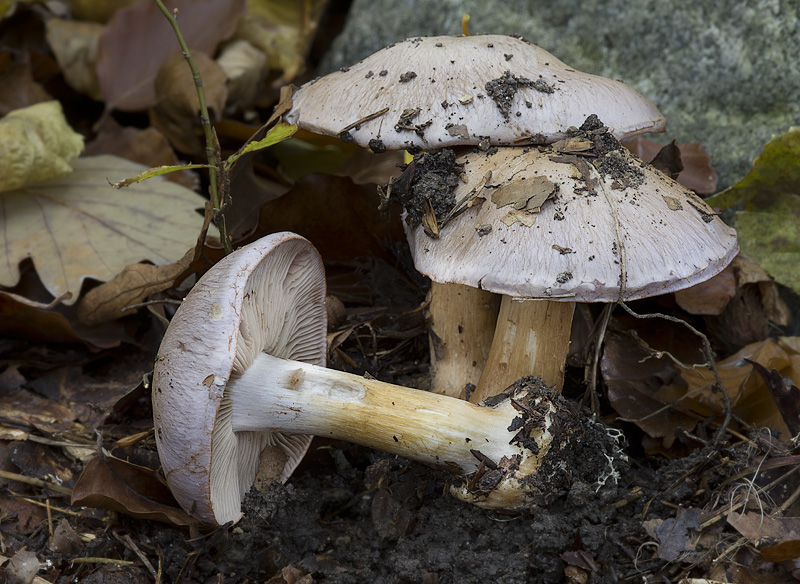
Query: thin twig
column 35, row 482
column 211, row 152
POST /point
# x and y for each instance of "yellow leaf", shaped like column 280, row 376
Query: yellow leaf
column 76, row 226
column 36, row 143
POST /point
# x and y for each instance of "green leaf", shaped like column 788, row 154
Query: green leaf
column 770, row 197
column 277, row 134
column 153, row 172
column 76, row 226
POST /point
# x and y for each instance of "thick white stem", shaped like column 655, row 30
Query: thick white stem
column 297, row 398
column 462, row 321
column 531, row 338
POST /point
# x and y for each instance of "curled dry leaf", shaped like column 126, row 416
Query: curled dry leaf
column 133, row 285
column 245, row 66
column 74, row 44
column 127, row 76
column 111, row 483
column 176, row 112
column 36, row 143
column 76, row 227
column 711, row 296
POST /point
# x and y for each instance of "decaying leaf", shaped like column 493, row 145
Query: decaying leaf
column 19, row 89
column 76, row 226
column 36, row 143
column 245, row 66
column 110, row 483
column 127, row 76
column 709, row 297
column 697, row 173
column 74, row 44
column 176, row 112
column 777, row 539
column 283, row 30
column 134, row 284
column 770, row 195
column 148, row 147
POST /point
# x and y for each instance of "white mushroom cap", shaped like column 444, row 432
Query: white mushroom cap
column 594, row 227
column 266, row 297
column 434, row 92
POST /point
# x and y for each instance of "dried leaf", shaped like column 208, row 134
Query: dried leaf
column 785, row 393
column 697, row 173
column 245, row 66
column 110, row 483
column 675, row 534
column 709, row 297
column 770, row 194
column 148, row 147
column 27, row 409
column 283, row 30
column 77, row 227
column 127, row 76
column 74, row 44
column 36, row 143
column 18, row 89
column 176, row 112
column 96, row 10
column 133, row 285
column 777, row 539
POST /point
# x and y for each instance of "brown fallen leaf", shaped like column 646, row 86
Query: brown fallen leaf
column 176, row 111
column 27, row 409
column 111, row 483
column 96, row 10
column 246, row 67
column 133, row 285
column 138, row 39
column 74, row 44
column 697, row 173
column 675, row 534
column 777, row 539
column 146, row 146
column 709, row 297
column 18, row 88
column 785, row 393
column 23, row 318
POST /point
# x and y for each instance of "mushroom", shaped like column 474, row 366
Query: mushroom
column 427, row 93
column 582, row 220
column 240, row 371
column 445, row 91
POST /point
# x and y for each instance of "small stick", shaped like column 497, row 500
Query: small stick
column 35, row 482
column 93, row 560
column 364, row 120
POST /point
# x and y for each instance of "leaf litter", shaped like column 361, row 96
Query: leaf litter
column 385, row 519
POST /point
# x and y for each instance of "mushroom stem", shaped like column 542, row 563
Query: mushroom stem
column 287, row 396
column 462, row 321
column 531, row 338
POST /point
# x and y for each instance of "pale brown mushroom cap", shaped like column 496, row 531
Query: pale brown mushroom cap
column 530, row 95
column 593, row 227
column 266, row 297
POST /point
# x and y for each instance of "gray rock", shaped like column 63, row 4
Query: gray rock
column 724, row 73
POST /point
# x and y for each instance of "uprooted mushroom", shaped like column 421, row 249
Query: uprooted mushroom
column 239, row 383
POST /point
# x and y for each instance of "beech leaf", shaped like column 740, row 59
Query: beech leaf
column 76, row 226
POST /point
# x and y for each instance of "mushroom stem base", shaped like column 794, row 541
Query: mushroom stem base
column 531, row 338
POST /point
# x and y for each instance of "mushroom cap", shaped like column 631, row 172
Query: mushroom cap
column 268, row 296
column 465, row 89
column 599, row 220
